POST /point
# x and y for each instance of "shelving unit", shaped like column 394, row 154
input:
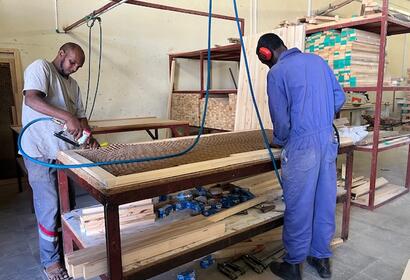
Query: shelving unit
column 188, row 104
column 384, row 25
column 230, row 52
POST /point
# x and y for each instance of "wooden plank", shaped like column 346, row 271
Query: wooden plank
column 382, row 194
column 166, row 244
column 406, row 273
column 234, row 225
column 170, row 90
column 365, row 188
column 341, row 21
column 245, row 118
column 188, row 170
column 336, row 242
column 94, row 175
column 238, row 208
column 99, row 126
column 357, row 179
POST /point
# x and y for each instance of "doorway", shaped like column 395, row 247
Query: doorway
column 7, row 154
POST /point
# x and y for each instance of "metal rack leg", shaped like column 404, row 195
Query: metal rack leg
column 63, row 192
column 348, row 188
column 64, row 208
column 113, row 241
column 407, row 185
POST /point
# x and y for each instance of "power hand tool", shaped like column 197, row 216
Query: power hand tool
column 80, row 141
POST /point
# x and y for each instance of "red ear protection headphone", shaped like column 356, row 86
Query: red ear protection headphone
column 265, row 53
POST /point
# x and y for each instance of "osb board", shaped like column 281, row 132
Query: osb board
column 215, row 153
column 185, row 107
column 245, row 117
column 189, row 107
column 220, row 113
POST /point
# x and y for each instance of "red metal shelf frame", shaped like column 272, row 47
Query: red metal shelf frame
column 385, row 26
column 230, row 52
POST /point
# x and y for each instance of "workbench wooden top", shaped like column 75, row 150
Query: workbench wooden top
column 133, row 124
column 101, row 126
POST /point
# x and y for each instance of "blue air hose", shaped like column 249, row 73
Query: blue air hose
column 136, row 160
column 83, row 165
column 245, row 58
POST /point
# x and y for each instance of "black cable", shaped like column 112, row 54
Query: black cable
column 90, row 24
column 99, row 69
column 337, row 133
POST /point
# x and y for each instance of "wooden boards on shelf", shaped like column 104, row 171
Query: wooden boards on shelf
column 245, row 116
column 157, row 241
column 352, row 54
column 135, row 214
column 383, row 194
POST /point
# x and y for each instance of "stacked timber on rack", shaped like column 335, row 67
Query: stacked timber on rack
column 370, row 7
column 245, row 116
column 318, row 19
column 352, row 54
column 135, row 214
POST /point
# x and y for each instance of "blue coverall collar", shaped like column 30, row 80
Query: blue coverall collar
column 288, row 53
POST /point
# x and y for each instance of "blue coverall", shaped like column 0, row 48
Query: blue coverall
column 304, row 96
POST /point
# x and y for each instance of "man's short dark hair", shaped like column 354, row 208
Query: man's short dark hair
column 270, row 41
column 71, row 46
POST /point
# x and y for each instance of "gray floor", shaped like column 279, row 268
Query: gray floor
column 378, row 245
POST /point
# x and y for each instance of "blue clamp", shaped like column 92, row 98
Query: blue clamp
column 187, row 275
column 206, row 262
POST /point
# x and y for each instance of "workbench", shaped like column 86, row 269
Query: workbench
column 222, row 157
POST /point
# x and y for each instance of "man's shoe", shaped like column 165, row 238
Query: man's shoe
column 286, row 270
column 322, row 266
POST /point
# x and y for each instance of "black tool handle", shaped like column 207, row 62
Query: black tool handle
column 65, row 139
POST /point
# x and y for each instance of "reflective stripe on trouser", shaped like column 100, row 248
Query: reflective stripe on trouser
column 309, row 189
column 43, row 181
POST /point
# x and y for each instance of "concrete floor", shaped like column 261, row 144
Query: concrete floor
column 378, row 245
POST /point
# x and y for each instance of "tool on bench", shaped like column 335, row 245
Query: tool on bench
column 80, row 141
column 231, row 270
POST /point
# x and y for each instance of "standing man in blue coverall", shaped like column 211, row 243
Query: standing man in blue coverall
column 304, row 96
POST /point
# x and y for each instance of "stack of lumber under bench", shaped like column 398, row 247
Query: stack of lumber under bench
column 133, row 214
column 352, row 54
column 155, row 241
